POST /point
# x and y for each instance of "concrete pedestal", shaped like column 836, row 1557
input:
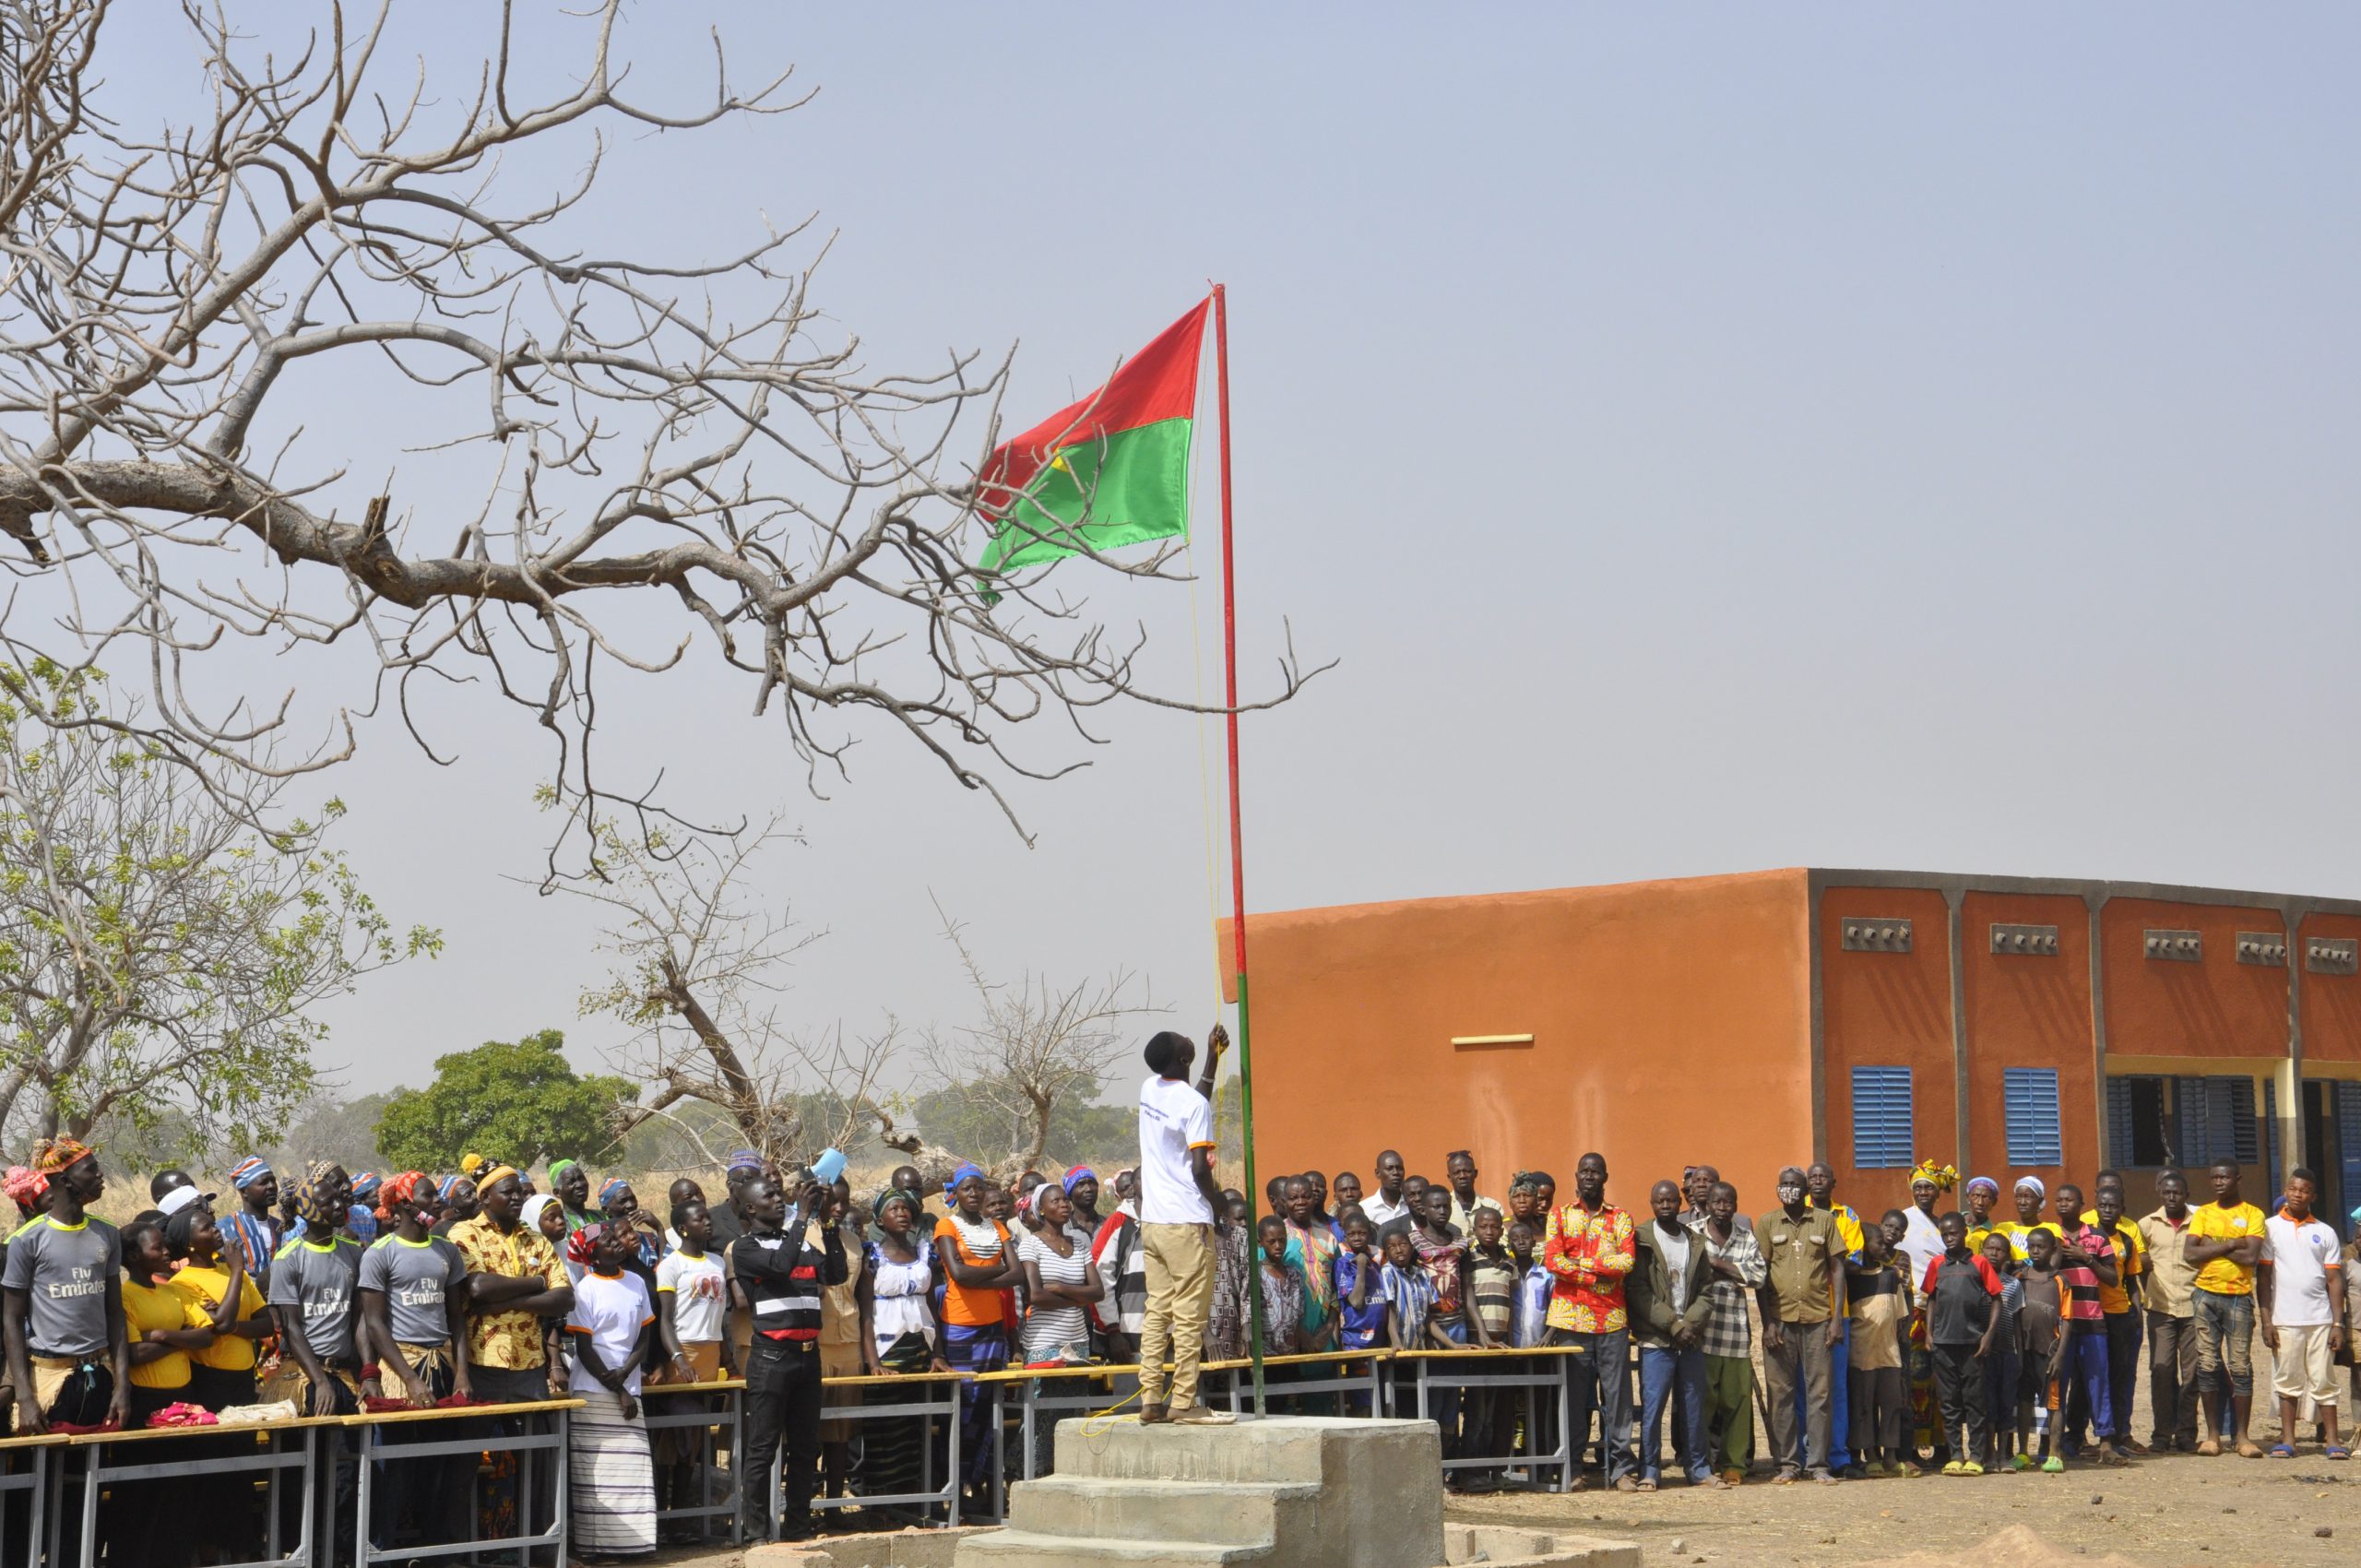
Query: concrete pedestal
column 1282, row 1492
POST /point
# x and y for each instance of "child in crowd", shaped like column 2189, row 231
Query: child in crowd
column 2042, row 1329
column 1410, row 1299
column 1529, row 1325
column 1490, row 1419
column 1881, row 1309
column 1360, row 1295
column 1282, row 1289
column 1961, row 1290
column 2001, row 1366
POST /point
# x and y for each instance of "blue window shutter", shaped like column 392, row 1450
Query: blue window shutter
column 2030, row 1111
column 2189, row 1119
column 2348, row 1142
column 2271, row 1135
column 1881, row 1132
column 2119, row 1122
column 2242, row 1143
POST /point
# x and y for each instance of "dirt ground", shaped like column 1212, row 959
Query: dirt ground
column 2157, row 1512
column 2167, row 1512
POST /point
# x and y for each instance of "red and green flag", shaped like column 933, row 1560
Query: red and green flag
column 1110, row 471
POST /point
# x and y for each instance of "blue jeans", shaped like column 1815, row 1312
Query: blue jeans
column 1677, row 1377
column 1840, row 1402
column 1599, row 1379
column 2086, row 1365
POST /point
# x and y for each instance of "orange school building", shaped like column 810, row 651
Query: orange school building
column 2003, row 1024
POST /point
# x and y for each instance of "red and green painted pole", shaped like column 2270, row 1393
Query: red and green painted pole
column 1237, row 827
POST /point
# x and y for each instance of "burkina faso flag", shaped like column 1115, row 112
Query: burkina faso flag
column 1110, row 471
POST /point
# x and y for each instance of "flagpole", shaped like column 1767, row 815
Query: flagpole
column 1237, row 830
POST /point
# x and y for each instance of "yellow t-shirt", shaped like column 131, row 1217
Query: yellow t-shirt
column 2131, row 1262
column 2016, row 1231
column 146, row 1307
column 2213, row 1222
column 230, row 1352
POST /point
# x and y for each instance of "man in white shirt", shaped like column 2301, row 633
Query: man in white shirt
column 2300, row 1297
column 1176, row 1194
column 1387, row 1204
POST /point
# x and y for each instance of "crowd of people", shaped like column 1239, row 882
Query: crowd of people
column 1962, row 1337
column 340, row 1292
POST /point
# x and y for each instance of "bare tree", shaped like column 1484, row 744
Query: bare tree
column 1036, row 1046
column 637, row 431
column 698, row 968
column 155, row 951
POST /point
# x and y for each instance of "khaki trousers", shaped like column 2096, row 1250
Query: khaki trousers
column 1180, row 1261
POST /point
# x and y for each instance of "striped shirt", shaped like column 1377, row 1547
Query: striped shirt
column 1491, row 1281
column 1412, row 1294
column 258, row 1238
column 783, row 1276
column 2083, row 1303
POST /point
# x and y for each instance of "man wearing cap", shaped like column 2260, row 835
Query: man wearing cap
column 251, row 1226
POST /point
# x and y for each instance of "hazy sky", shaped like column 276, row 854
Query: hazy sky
column 1710, row 439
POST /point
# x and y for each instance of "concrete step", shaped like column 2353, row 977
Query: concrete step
column 1222, row 1512
column 1024, row 1549
column 1286, row 1449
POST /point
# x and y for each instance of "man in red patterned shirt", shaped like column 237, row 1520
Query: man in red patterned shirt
column 1588, row 1252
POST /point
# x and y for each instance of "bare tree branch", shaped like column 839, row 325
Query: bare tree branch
column 681, row 466
column 697, row 966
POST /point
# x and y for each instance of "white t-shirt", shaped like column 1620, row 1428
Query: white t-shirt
column 2300, row 1257
column 1174, row 1119
column 1381, row 1212
column 609, row 1311
column 1676, row 1263
column 699, row 1296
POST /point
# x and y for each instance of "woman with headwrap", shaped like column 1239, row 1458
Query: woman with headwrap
column 1922, row 1242
column 977, row 1264
column 898, row 1335
column 311, row 1293
column 570, row 1186
column 411, row 1293
column 610, row 1471
column 2031, row 1195
column 75, row 1364
column 1983, row 1194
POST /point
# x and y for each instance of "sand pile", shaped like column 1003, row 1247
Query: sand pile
column 2015, row 1546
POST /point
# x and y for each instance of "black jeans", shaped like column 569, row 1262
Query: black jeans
column 1958, row 1385
column 782, row 1410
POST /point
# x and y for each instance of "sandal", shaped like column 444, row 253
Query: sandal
column 2247, row 1449
column 2281, row 1451
column 2336, row 1451
column 1647, row 1485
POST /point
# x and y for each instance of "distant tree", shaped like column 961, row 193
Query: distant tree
column 699, row 965
column 158, row 951
column 968, row 1116
column 1036, row 1051
column 517, row 1102
column 331, row 1127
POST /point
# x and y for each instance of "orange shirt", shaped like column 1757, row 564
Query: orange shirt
column 962, row 1304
